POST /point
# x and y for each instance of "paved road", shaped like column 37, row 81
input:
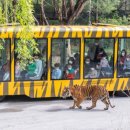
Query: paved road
column 25, row 114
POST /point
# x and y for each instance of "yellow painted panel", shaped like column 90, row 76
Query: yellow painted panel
column 14, row 89
column 27, row 91
column 99, row 33
column 48, row 92
column 38, row 91
column 56, row 34
column 1, row 89
column 88, row 34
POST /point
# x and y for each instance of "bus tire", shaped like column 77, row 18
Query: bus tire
column 2, row 98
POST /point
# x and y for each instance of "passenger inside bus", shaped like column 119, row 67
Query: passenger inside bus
column 87, row 66
column 96, row 52
column 17, row 70
column 31, row 67
column 126, row 67
column 121, row 62
column 56, row 73
column 99, row 57
column 92, row 73
column 5, row 71
column 99, row 54
column 39, row 68
column 105, row 70
column 70, row 72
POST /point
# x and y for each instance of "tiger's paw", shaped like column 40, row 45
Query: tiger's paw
column 72, row 107
column 106, row 108
column 88, row 108
column 80, row 107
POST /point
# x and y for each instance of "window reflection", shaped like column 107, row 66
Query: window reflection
column 5, row 60
column 36, row 69
column 65, row 58
column 98, row 62
column 124, row 58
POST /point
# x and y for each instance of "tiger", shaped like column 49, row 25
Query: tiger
column 79, row 93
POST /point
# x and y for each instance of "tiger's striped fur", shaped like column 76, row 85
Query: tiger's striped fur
column 79, row 93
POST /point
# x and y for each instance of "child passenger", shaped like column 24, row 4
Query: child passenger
column 56, row 73
column 70, row 72
column 31, row 69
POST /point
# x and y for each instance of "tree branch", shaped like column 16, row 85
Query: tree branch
column 36, row 20
column 45, row 21
column 64, row 10
column 72, row 6
column 77, row 10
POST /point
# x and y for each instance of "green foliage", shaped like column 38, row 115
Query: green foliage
column 2, row 19
column 105, row 6
column 26, row 46
column 116, row 20
column 22, row 13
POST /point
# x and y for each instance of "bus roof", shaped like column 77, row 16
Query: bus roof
column 69, row 31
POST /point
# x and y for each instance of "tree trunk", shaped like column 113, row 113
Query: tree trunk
column 72, row 6
column 45, row 21
column 64, row 10
column 14, row 3
column 78, row 9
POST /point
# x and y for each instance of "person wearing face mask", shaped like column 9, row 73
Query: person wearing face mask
column 99, row 54
column 126, row 67
column 105, row 67
column 17, row 70
column 30, row 69
column 87, row 66
column 121, row 62
column 122, row 57
column 70, row 72
column 39, row 68
column 93, row 48
column 56, row 73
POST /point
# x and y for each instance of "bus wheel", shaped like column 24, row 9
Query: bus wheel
column 2, row 98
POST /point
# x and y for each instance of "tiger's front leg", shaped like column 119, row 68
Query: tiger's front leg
column 73, row 107
column 94, row 101
column 78, row 103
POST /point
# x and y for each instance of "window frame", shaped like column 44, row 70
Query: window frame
column 46, row 60
column 114, row 39
column 118, row 56
column 79, row 59
column 10, row 59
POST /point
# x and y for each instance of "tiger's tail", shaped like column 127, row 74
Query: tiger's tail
column 112, row 106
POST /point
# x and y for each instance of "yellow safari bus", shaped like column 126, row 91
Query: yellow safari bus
column 68, row 55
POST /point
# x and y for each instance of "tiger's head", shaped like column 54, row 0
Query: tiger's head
column 66, row 92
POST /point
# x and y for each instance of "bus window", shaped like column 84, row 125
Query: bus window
column 5, row 60
column 98, row 58
column 65, row 59
column 124, row 58
column 36, row 69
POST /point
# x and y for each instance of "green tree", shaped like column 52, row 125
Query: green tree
column 65, row 11
column 21, row 12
